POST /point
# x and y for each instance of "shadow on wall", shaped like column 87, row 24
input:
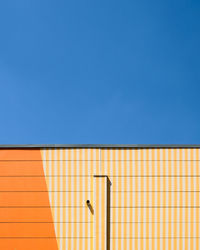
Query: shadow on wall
column 89, row 205
column 108, row 212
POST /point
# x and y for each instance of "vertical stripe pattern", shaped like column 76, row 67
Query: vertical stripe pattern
column 69, row 178
column 100, row 205
column 155, row 200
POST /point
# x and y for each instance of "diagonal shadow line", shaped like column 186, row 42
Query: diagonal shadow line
column 89, row 205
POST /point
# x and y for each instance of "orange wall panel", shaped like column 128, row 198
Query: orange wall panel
column 18, row 235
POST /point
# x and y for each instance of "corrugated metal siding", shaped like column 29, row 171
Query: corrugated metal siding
column 155, row 201
column 25, row 215
column 155, row 198
column 69, row 176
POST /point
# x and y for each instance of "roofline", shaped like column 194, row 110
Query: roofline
column 32, row 146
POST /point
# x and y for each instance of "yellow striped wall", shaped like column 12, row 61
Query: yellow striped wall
column 100, row 208
column 154, row 196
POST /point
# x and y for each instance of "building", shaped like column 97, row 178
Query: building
column 100, row 197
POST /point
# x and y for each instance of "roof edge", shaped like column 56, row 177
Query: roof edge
column 32, row 146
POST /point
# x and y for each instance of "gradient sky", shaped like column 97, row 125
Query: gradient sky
column 104, row 71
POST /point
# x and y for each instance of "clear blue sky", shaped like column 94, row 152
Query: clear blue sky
column 104, row 71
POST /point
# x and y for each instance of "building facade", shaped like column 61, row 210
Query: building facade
column 100, row 197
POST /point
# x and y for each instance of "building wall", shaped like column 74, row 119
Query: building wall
column 154, row 194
